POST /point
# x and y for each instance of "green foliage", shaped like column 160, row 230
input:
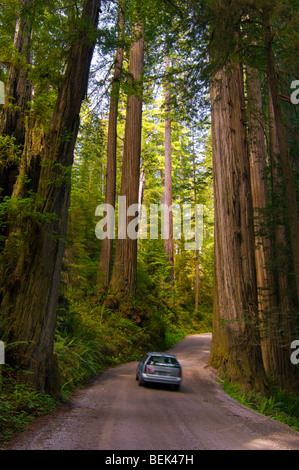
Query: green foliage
column 9, row 152
column 173, row 336
column 281, row 406
column 19, row 404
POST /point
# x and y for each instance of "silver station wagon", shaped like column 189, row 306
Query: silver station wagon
column 161, row 368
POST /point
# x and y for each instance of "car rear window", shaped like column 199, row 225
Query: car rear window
column 162, row 360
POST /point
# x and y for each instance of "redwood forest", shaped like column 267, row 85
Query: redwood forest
column 149, row 187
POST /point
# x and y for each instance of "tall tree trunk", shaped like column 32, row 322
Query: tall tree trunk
column 18, row 94
column 168, row 219
column 260, row 199
column 123, row 279
column 196, row 240
column 287, row 171
column 104, row 268
column 31, row 290
column 280, row 321
column 236, row 343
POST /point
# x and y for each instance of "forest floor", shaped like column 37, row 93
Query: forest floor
column 114, row 413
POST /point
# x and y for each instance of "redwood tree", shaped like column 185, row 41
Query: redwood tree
column 168, row 219
column 104, row 269
column 260, row 198
column 31, row 287
column 286, row 165
column 236, row 343
column 123, row 280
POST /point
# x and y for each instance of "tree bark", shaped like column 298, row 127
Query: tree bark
column 287, row 170
column 260, row 199
column 168, row 221
column 104, row 268
column 280, row 320
column 31, row 291
column 123, row 279
column 236, row 342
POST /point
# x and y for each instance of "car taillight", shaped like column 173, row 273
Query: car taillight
column 144, row 369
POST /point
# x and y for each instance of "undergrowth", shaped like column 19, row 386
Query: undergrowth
column 280, row 406
column 19, row 404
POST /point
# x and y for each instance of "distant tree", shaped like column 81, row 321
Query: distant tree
column 168, row 219
column 105, row 264
column 123, row 280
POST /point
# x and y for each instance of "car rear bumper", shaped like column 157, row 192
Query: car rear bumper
column 161, row 379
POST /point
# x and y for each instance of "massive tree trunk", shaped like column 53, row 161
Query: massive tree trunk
column 236, row 342
column 30, row 292
column 286, row 165
column 286, row 228
column 123, row 279
column 260, row 199
column 281, row 319
column 17, row 95
column 104, row 268
column 168, row 219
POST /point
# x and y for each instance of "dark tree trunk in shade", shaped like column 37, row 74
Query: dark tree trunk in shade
column 286, row 165
column 18, row 92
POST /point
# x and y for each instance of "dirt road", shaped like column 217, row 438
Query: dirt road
column 114, row 413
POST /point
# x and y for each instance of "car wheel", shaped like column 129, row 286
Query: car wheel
column 140, row 381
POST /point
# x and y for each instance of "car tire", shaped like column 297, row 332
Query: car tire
column 140, row 381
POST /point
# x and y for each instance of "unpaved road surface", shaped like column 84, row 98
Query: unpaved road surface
column 114, row 413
